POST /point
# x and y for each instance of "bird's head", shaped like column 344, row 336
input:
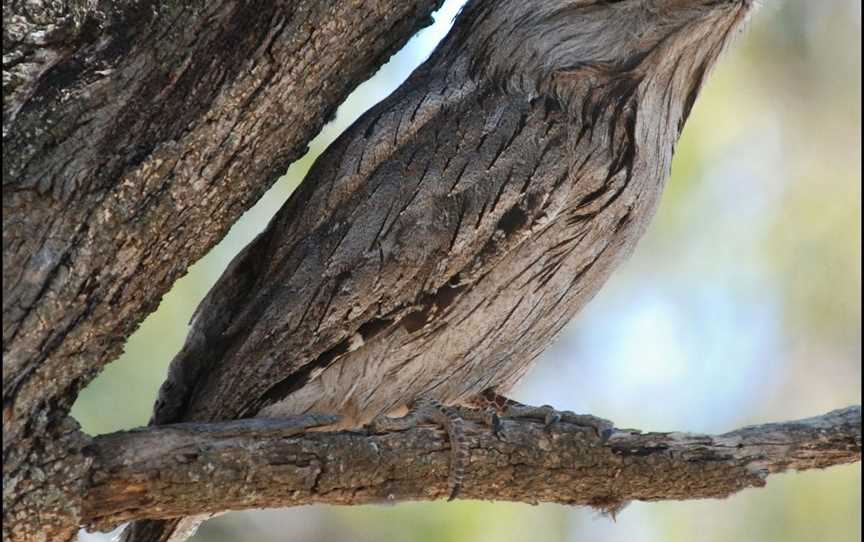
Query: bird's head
column 552, row 47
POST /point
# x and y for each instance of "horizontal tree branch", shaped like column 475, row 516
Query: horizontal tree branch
column 188, row 469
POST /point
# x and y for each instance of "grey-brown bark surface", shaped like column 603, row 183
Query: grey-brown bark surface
column 257, row 463
column 135, row 133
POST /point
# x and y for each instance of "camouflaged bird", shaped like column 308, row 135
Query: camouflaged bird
column 442, row 242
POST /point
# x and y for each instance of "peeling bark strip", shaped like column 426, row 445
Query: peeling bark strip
column 187, row 469
column 134, row 134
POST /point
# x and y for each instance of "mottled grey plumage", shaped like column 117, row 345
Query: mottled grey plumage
column 440, row 244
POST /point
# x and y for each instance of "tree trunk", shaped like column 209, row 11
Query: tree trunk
column 135, row 134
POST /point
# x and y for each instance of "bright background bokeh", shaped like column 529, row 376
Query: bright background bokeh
column 741, row 305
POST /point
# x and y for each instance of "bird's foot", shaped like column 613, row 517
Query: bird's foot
column 431, row 411
column 508, row 408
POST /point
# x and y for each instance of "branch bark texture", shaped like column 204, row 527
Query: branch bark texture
column 188, row 469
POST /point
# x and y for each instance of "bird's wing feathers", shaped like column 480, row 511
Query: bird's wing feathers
column 424, row 192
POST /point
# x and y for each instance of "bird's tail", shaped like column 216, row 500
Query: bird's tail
column 150, row 530
column 162, row 530
column 169, row 409
column 203, row 347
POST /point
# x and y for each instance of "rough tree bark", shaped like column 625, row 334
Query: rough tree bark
column 271, row 463
column 134, row 134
